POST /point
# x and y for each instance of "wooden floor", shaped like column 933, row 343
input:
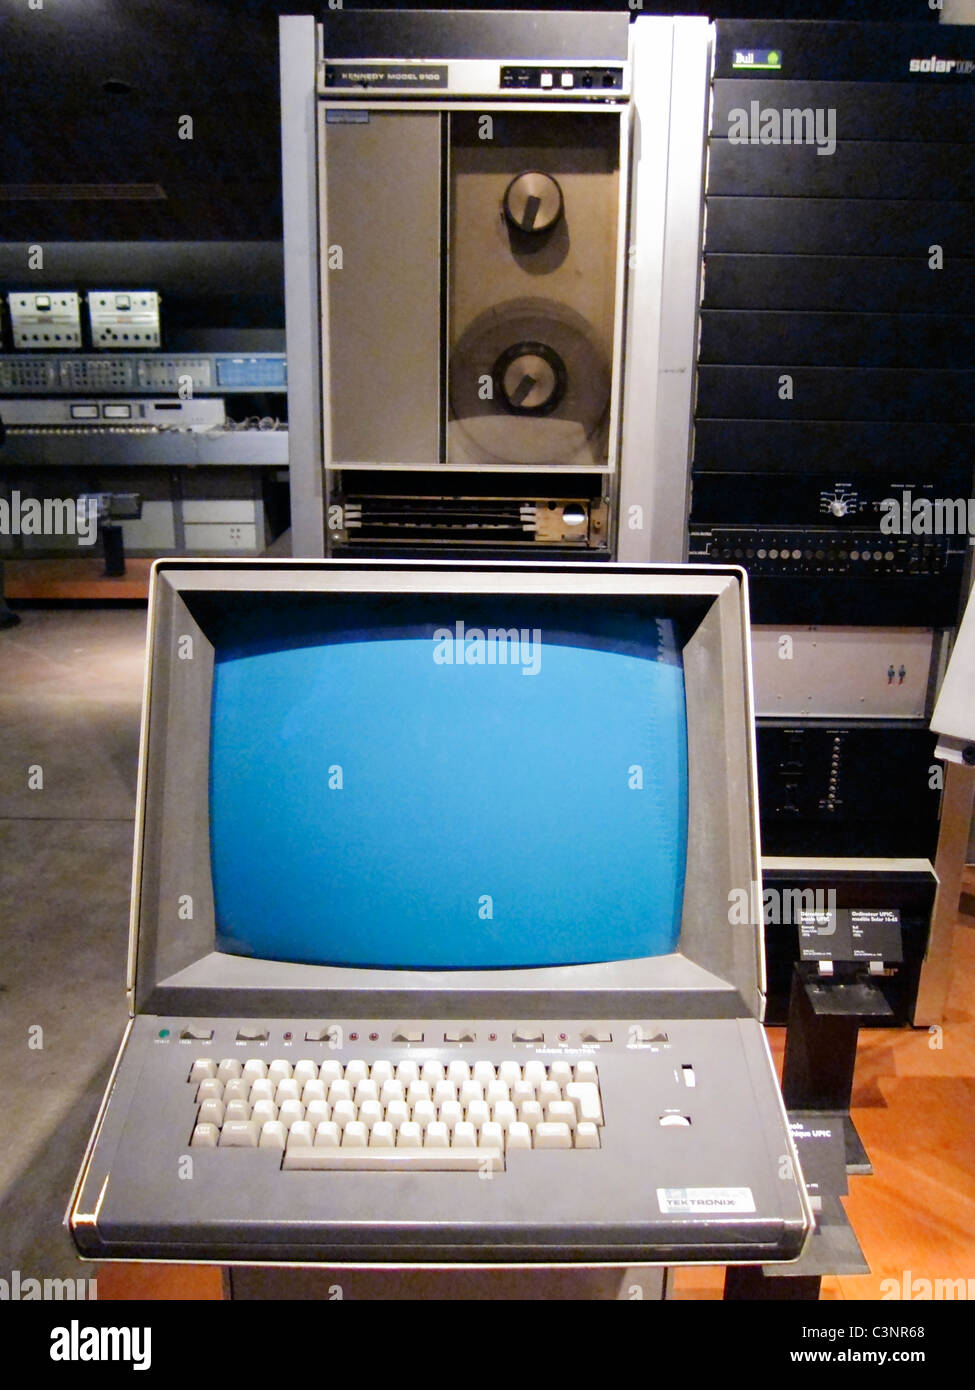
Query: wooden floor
column 914, row 1107
column 74, row 579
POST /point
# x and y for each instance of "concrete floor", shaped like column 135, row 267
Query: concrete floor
column 70, row 698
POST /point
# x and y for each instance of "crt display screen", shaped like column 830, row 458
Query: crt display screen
column 448, row 782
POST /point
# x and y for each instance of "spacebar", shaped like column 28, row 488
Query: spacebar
column 395, row 1160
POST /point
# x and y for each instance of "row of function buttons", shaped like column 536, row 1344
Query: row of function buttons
column 406, row 1036
column 727, row 552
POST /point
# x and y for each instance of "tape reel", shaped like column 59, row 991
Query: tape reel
column 528, row 384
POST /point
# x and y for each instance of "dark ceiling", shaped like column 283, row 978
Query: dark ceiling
column 92, row 93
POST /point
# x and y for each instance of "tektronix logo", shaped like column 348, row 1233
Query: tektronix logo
column 945, row 65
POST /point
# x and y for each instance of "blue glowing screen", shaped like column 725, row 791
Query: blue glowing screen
column 448, row 783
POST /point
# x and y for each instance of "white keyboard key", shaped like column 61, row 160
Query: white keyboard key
column 409, row 1136
column 356, row 1071
column 548, row 1136
column 330, row 1071
column 470, row 1091
column 229, row 1069
column 203, row 1068
column 381, row 1072
column 407, row 1071
column 587, row 1135
column 397, row 1113
column 370, row 1113
column 432, row 1072
column 509, row 1073
column 211, row 1089
column 355, row 1136
column 451, row 1113
column 497, row 1090
column 444, row 1091
column 436, row 1136
column 344, row 1113
column 535, row 1073
column 458, row 1072
column 465, row 1135
column 365, row 1090
column 530, row 1113
column 317, row 1112
column 279, row 1070
column 261, row 1090
column 478, row 1113
column 264, row 1111
column 491, row 1135
column 236, row 1110
column 290, row 1112
column 212, row 1113
column 239, row 1134
column 392, row 1090
column 382, row 1136
column 339, row 1090
column 205, row 1136
column 273, row 1135
column 584, row 1095
column 504, row 1114
column 254, row 1070
column 418, row 1090
column 561, row 1112
column 300, row 1135
column 586, row 1071
column 287, row 1090
column 411, row 1159
column 560, row 1072
column 519, row 1136
column 327, row 1136
column 305, row 1070
column 549, row 1091
column 313, row 1090
column 424, row 1113
column 236, row 1090
column 522, row 1091
column 483, row 1072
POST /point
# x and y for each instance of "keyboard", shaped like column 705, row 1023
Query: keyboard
column 387, row 1115
column 608, row 1140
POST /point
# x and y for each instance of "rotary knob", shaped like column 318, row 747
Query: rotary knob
column 838, row 507
column 533, row 202
column 530, row 378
